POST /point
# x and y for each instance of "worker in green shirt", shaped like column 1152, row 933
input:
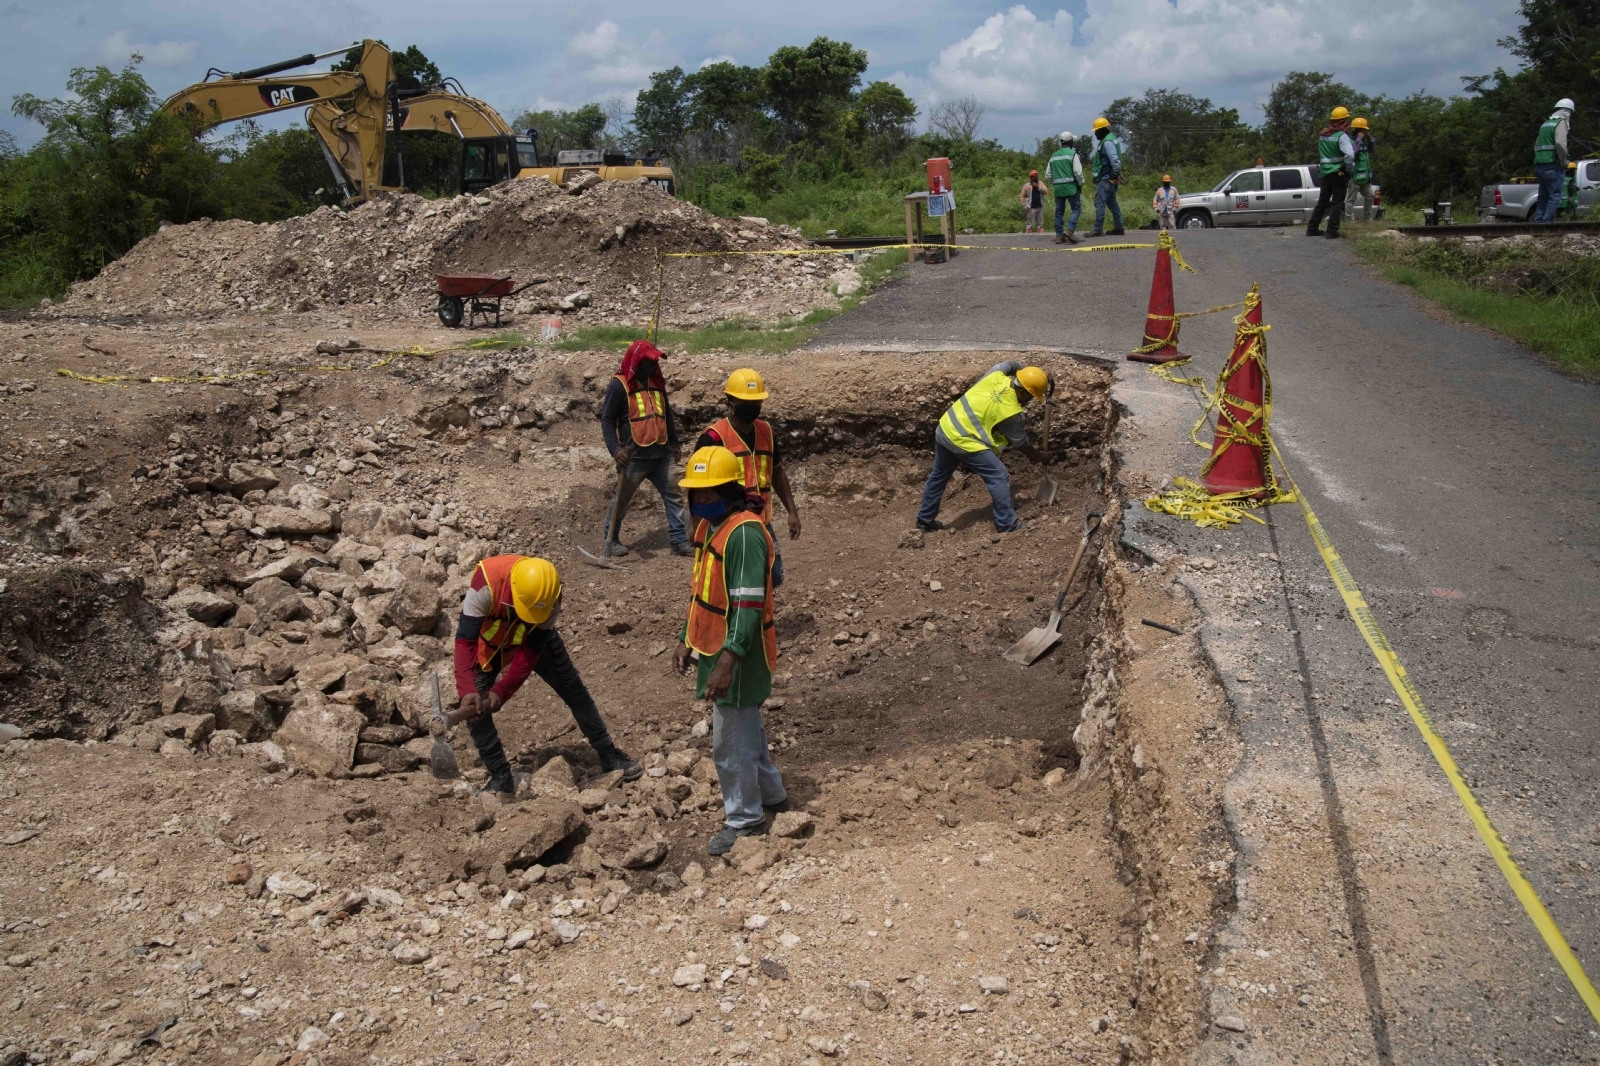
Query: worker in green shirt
column 730, row 628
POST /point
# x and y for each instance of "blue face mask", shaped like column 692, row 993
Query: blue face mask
column 715, row 511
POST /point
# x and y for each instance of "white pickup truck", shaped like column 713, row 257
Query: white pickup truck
column 1261, row 196
column 1513, row 201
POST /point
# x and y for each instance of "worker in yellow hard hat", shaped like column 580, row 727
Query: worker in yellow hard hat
column 730, row 628
column 975, row 429
column 749, row 436
column 1165, row 203
column 1106, row 159
column 1336, row 158
column 1361, row 179
column 507, row 631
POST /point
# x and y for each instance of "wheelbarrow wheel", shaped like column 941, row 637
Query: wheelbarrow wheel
column 450, row 311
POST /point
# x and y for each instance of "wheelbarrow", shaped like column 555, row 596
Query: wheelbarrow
column 473, row 295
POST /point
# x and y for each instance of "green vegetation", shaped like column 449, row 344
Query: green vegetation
column 1543, row 297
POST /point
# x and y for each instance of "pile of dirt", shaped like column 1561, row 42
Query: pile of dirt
column 592, row 254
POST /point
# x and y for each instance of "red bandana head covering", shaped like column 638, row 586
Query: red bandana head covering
column 640, row 351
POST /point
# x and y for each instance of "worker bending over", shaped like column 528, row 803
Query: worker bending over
column 507, row 631
column 642, row 436
column 749, row 436
column 976, row 429
column 731, row 629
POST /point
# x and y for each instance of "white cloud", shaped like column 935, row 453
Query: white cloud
column 115, row 50
column 704, row 63
column 1060, row 68
column 604, row 60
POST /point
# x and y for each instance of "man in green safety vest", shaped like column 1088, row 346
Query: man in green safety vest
column 1336, row 159
column 1550, row 160
column 1107, row 176
column 975, row 430
column 1066, row 177
column 1361, row 177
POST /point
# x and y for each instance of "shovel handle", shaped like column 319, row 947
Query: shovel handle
column 1091, row 523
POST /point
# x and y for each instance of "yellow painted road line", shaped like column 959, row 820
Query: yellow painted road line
column 1361, row 613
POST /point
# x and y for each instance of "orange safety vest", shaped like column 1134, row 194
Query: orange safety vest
column 502, row 628
column 708, row 606
column 647, row 413
column 757, row 463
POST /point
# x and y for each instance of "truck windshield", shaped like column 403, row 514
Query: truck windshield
column 1223, row 184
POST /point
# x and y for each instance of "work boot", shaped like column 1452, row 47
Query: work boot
column 502, row 782
column 1313, row 233
column 614, row 758
column 932, row 526
column 728, row 836
column 1061, row 238
column 1118, row 232
column 775, row 809
column 615, row 548
column 1071, row 238
column 1332, row 235
column 684, row 550
column 1096, row 233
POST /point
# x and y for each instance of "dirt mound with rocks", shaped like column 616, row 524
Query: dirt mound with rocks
column 591, row 255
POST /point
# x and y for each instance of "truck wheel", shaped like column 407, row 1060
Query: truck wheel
column 1194, row 220
column 450, row 311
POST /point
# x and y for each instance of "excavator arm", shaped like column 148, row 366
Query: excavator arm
column 448, row 113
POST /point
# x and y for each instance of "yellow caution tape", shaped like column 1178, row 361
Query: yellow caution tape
column 886, row 247
column 1361, row 614
column 417, row 352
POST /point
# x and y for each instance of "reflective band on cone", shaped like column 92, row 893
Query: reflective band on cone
column 1160, row 324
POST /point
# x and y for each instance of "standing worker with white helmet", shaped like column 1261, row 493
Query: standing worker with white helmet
column 506, row 632
column 1336, row 157
column 975, row 430
column 1550, row 160
column 1066, row 178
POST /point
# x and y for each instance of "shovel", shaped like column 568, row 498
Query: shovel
column 1043, row 638
column 1047, row 484
column 443, row 757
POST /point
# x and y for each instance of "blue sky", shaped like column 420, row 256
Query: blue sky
column 1037, row 67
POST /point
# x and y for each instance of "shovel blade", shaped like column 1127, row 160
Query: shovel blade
column 1036, row 643
column 595, row 560
column 1047, row 491
column 442, row 760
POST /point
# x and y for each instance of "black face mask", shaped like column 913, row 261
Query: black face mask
column 747, row 411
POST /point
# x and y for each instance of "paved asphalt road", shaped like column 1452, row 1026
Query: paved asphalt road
column 1459, row 476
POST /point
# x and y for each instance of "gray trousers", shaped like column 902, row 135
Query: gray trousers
column 659, row 473
column 1365, row 191
column 744, row 764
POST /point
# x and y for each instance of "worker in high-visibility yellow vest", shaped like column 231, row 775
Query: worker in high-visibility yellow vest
column 975, row 429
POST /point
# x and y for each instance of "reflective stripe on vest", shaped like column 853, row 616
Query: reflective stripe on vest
column 1544, row 145
column 647, row 413
column 1061, row 175
column 1329, row 153
column 969, row 423
column 757, row 463
column 707, row 631
column 501, row 627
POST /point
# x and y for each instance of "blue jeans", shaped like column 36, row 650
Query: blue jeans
column 744, row 765
column 1551, row 179
column 1061, row 206
column 985, row 464
column 658, row 472
column 1105, row 195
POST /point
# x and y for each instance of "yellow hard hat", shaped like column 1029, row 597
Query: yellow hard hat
column 535, row 588
column 1572, row 166
column 746, row 384
column 1102, row 123
column 1340, row 112
column 1036, row 381
column 712, row 466
column 1358, row 123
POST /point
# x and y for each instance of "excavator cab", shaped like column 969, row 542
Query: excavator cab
column 487, row 161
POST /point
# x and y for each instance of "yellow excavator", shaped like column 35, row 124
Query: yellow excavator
column 352, row 111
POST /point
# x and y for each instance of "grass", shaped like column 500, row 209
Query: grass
column 1539, row 296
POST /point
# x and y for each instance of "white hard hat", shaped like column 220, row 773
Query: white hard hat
column 1067, row 137
column 1566, row 104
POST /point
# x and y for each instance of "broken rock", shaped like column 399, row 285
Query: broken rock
column 321, row 735
column 523, row 837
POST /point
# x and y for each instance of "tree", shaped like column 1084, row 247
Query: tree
column 808, row 89
column 561, row 130
column 1166, row 128
column 885, row 115
column 1298, row 109
column 958, row 119
column 662, row 112
column 1559, row 41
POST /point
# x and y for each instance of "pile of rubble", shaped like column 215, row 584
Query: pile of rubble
column 590, row 253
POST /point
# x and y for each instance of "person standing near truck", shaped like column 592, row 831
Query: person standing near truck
column 1066, row 178
column 1361, row 178
column 1033, row 203
column 1336, row 157
column 1550, row 160
column 1569, row 199
column 1166, row 203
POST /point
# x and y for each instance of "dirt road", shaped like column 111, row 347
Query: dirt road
column 1457, row 474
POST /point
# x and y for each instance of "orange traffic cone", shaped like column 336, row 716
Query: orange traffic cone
column 1161, row 320
column 1239, row 460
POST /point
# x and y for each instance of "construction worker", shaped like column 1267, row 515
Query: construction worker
column 1550, row 160
column 1337, row 161
column 1165, row 203
column 1569, row 197
column 507, row 631
column 749, row 436
column 730, row 629
column 1361, row 176
column 975, row 430
column 1033, row 203
column 1066, row 179
column 641, row 434
column 1107, row 176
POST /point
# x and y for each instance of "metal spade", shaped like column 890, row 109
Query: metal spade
column 1042, row 638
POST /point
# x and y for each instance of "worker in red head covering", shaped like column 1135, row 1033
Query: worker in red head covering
column 642, row 436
